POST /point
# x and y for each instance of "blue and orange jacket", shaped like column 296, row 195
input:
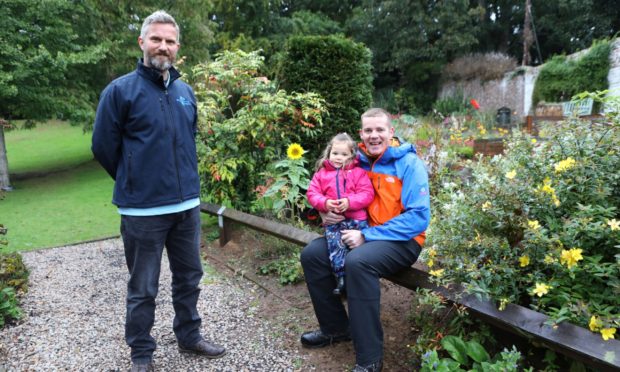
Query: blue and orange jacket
column 401, row 209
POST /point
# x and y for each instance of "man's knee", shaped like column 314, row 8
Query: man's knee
column 314, row 251
column 355, row 262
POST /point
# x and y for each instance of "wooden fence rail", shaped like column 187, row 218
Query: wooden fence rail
column 575, row 342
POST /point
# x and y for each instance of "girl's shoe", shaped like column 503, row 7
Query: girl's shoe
column 339, row 290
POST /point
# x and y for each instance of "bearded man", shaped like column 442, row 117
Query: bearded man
column 144, row 137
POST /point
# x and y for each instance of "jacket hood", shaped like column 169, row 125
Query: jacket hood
column 396, row 150
column 329, row 166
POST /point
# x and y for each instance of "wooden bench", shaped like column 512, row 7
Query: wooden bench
column 575, row 342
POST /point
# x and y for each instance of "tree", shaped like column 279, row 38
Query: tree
column 412, row 39
column 38, row 51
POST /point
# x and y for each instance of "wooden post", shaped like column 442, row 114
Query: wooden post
column 529, row 124
column 5, row 184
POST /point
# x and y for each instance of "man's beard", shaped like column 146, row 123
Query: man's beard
column 160, row 62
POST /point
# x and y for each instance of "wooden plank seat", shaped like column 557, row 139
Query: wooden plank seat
column 573, row 341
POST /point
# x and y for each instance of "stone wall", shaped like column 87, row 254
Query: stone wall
column 515, row 89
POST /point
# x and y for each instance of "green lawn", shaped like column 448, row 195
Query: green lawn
column 61, row 208
column 68, row 205
column 48, row 147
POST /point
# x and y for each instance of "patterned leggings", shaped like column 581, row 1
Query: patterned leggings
column 336, row 248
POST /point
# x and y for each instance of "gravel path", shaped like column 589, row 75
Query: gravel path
column 75, row 310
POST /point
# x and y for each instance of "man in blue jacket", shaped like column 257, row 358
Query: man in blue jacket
column 144, row 138
column 398, row 218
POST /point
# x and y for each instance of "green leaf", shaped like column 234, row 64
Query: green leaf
column 477, row 352
column 448, row 365
column 456, row 347
column 278, row 204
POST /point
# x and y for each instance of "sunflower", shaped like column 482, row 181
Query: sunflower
column 294, row 151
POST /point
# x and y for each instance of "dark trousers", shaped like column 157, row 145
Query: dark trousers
column 363, row 268
column 144, row 239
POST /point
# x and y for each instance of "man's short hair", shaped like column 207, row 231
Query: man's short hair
column 159, row 16
column 376, row 112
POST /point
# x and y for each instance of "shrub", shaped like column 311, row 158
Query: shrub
column 454, row 104
column 13, row 280
column 336, row 68
column 484, row 66
column 287, row 269
column 540, row 225
column 244, row 122
column 469, row 354
column 561, row 78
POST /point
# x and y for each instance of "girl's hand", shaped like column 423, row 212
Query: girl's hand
column 332, row 205
column 343, row 205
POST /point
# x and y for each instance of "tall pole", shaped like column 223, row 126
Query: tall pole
column 527, row 34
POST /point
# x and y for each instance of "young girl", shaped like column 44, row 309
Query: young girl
column 340, row 186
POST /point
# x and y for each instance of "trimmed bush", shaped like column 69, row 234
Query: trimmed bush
column 336, row 68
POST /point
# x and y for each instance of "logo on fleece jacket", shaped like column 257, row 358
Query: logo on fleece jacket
column 184, row 101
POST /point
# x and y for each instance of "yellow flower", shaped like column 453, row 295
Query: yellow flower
column 566, row 164
column 438, row 273
column 548, row 189
column 486, row 206
column 294, row 151
column 511, row 175
column 595, row 323
column 524, row 261
column 541, row 289
column 533, row 140
column 549, row 259
column 571, row 256
column 432, row 252
column 614, row 224
column 608, row 333
column 533, row 224
column 430, row 263
column 502, row 304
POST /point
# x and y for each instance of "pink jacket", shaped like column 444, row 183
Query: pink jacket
column 352, row 182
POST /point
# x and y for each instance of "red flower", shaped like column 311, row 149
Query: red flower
column 475, row 104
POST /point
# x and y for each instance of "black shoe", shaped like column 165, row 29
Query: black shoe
column 205, row 349
column 372, row 367
column 339, row 287
column 316, row 339
column 142, row 367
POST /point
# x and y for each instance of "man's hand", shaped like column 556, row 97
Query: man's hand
column 331, row 218
column 353, row 238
